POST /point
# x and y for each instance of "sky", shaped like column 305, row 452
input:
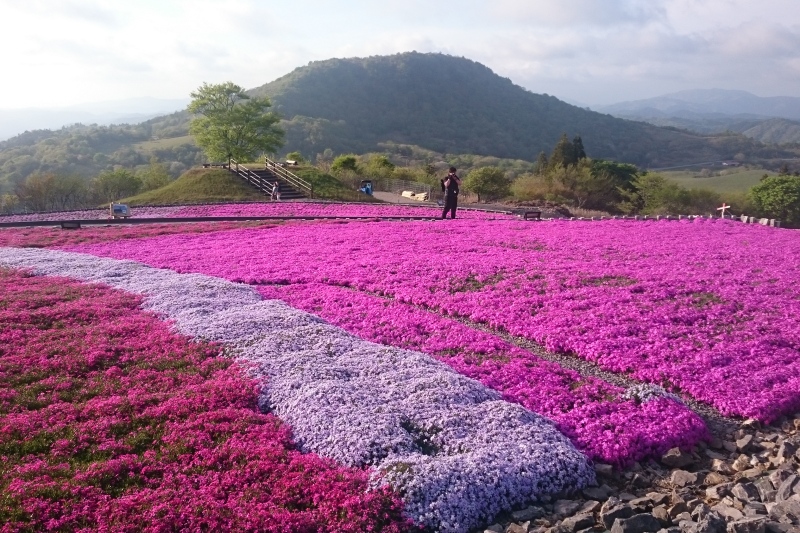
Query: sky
column 590, row 52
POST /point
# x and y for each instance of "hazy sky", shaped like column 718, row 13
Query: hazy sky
column 62, row 52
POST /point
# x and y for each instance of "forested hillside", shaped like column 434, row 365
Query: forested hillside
column 454, row 105
column 441, row 103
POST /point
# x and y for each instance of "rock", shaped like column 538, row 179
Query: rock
column 598, row 493
column 589, row 507
column 626, row 496
column 741, row 463
column 745, row 444
column 786, row 450
column 566, row 507
column 641, row 523
column 618, row 510
column 517, row 528
column 681, row 478
column 748, row 525
column 711, row 524
column 640, row 481
column 728, row 445
column 658, row 498
column 787, row 511
column 577, row 522
column 766, row 491
column 676, row 510
column 660, row 513
column 776, row 527
column 751, row 474
column 715, row 478
column 694, row 502
column 746, row 491
column 676, row 458
column 718, row 465
column 727, row 512
column 779, row 476
column 603, row 469
column 531, row 513
column 755, row 509
column 717, row 492
column 786, row 489
column 700, row 512
column 751, row 423
column 711, row 454
column 642, row 505
column 494, row 528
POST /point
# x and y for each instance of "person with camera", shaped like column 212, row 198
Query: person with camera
column 451, row 183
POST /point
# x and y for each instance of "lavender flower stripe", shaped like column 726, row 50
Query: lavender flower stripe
column 454, row 450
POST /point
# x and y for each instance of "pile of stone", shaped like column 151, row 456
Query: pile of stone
column 744, row 481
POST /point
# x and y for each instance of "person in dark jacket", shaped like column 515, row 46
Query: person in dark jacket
column 451, row 184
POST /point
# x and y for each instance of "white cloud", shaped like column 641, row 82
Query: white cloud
column 596, row 51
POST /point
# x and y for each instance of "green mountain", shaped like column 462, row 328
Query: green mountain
column 454, row 105
column 446, row 104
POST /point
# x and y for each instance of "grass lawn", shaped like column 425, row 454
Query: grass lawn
column 721, row 181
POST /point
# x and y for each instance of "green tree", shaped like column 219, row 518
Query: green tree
column 778, row 197
column 542, row 163
column 229, row 123
column 345, row 163
column 577, row 148
column 563, row 153
column 111, row 185
column 379, row 166
column 654, row 194
column 154, row 176
column 8, row 203
column 489, row 182
column 585, row 187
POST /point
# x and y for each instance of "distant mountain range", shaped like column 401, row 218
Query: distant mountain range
column 774, row 119
column 130, row 111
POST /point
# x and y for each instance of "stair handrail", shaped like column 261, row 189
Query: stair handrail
column 293, row 179
column 248, row 175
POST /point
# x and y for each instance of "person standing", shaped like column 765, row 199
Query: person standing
column 274, row 195
column 451, row 184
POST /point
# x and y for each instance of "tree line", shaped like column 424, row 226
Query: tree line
column 54, row 192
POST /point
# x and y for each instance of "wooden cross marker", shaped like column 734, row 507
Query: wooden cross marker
column 723, row 208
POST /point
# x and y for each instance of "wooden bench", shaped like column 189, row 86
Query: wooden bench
column 532, row 215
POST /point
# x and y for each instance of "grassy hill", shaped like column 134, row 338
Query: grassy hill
column 200, row 185
column 723, row 181
column 207, row 185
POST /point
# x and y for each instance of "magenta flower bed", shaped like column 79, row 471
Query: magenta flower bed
column 592, row 413
column 44, row 237
column 110, row 422
column 707, row 309
column 276, row 209
column 294, row 209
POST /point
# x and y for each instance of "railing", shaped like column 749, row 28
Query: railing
column 296, row 181
column 250, row 176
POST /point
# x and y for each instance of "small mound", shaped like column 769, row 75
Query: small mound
column 199, row 185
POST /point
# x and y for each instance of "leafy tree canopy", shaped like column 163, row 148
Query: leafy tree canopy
column 229, row 123
column 487, row 182
column 345, row 163
column 112, row 185
column 778, row 197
